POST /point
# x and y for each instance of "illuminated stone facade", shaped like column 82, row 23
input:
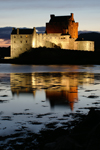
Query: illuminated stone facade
column 63, row 24
column 61, row 31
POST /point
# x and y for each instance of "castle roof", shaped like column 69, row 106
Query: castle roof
column 60, row 18
column 22, row 31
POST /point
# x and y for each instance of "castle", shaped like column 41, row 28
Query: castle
column 61, row 31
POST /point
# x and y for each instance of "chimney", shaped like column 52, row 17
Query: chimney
column 17, row 30
column 13, row 29
column 72, row 16
column 52, row 16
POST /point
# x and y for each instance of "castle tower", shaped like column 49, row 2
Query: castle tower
column 63, row 25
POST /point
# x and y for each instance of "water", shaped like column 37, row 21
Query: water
column 33, row 96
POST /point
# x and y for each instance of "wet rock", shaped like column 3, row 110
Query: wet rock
column 6, row 118
column 44, row 106
column 4, row 96
column 26, row 109
column 22, row 113
column 3, row 101
column 66, row 115
column 62, row 119
column 43, row 101
column 50, row 146
column 92, row 96
column 96, row 103
column 35, row 122
column 84, row 136
column 67, row 143
column 90, row 90
column 85, row 131
column 41, row 115
column 78, row 111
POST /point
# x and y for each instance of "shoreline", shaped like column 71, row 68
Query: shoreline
column 85, row 135
column 48, row 56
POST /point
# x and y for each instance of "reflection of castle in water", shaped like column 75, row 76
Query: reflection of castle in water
column 60, row 88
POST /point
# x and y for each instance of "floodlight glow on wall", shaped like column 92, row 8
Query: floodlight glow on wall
column 33, row 44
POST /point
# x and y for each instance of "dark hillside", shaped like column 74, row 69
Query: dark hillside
column 4, row 52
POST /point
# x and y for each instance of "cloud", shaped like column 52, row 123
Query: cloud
column 40, row 4
column 4, row 43
column 5, row 36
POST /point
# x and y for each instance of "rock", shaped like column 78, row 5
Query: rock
column 50, row 146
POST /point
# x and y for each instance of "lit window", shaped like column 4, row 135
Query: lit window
column 63, row 38
column 26, row 36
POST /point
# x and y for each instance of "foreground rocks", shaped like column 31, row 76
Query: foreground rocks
column 84, row 136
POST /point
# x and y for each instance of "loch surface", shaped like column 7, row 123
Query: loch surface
column 33, row 96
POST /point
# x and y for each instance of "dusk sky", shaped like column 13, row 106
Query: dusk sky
column 35, row 13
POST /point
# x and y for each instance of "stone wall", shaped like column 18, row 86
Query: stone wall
column 84, row 45
column 52, row 40
column 20, row 43
column 24, row 42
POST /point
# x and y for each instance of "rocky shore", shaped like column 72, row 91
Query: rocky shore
column 85, row 135
column 48, row 56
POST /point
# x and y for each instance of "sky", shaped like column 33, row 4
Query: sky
column 35, row 13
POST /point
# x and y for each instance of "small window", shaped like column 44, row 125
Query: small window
column 26, row 36
column 20, row 36
column 20, row 48
column 26, row 48
column 26, row 41
column 20, row 41
column 14, row 41
column 63, row 38
column 14, row 36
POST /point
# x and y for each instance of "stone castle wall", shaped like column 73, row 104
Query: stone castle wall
column 20, row 43
column 84, row 45
column 52, row 41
